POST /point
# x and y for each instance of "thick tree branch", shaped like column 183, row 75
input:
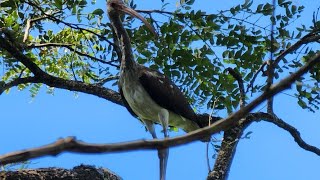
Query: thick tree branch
column 16, row 82
column 15, row 50
column 271, row 66
column 92, row 89
column 226, row 153
column 71, row 145
column 230, row 138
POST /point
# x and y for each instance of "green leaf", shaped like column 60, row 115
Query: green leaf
column 98, row 12
column 58, row 4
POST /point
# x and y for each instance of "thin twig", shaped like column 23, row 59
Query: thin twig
column 68, row 46
column 239, row 79
column 105, row 80
column 29, row 26
column 310, row 37
column 202, row 15
column 255, row 76
column 71, row 25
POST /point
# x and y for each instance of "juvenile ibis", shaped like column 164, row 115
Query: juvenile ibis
column 146, row 93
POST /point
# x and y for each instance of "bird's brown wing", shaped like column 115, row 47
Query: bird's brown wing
column 165, row 93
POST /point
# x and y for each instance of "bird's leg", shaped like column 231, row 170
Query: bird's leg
column 163, row 154
column 150, row 127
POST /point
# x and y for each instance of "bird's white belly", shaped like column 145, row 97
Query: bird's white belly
column 141, row 103
column 144, row 107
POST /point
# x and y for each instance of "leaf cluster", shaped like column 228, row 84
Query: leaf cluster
column 73, row 39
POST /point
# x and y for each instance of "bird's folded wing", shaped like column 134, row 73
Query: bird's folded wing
column 165, row 93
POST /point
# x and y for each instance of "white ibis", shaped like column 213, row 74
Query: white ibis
column 147, row 93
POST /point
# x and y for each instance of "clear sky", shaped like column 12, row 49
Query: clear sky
column 270, row 153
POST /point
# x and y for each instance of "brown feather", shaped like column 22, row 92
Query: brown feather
column 165, row 93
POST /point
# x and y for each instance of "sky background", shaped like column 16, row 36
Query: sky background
column 270, row 153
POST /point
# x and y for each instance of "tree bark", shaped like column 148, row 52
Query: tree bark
column 226, row 153
column 82, row 172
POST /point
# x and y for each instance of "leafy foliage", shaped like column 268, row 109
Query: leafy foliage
column 72, row 39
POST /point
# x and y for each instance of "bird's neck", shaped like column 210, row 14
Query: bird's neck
column 127, row 59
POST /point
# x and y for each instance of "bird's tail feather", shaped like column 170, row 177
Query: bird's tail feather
column 204, row 120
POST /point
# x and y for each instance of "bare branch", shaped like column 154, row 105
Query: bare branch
column 255, row 76
column 105, row 80
column 310, row 37
column 239, row 79
column 270, row 79
column 72, row 145
column 29, row 26
column 68, row 46
column 283, row 125
column 202, row 15
column 226, row 153
column 271, row 65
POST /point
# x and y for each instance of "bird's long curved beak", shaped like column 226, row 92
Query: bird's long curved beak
column 133, row 13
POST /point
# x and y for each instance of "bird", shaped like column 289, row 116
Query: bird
column 146, row 93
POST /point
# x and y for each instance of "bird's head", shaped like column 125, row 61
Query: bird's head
column 114, row 7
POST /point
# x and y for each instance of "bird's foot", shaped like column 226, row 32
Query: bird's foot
column 163, row 155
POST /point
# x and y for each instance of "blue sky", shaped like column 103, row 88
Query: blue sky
column 270, row 153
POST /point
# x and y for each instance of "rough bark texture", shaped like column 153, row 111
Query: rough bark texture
column 82, row 172
column 226, row 153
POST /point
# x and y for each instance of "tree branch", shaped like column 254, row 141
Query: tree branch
column 239, row 79
column 29, row 26
column 226, row 153
column 71, row 145
column 310, row 37
column 285, row 126
column 230, row 138
column 15, row 50
column 4, row 86
column 45, row 78
column 82, row 172
column 270, row 79
column 68, row 46
column 255, row 76
column 202, row 15
column 74, row 26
